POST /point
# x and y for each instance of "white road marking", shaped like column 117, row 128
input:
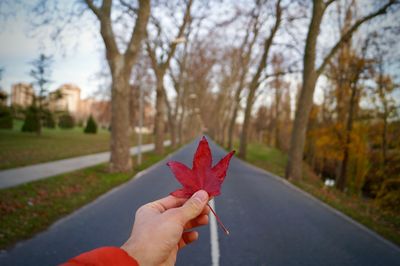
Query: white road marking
column 214, row 237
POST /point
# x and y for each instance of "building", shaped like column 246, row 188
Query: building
column 22, row 94
column 66, row 98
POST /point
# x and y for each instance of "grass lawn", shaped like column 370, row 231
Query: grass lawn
column 30, row 208
column 362, row 210
column 19, row 148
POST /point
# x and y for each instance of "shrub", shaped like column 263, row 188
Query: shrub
column 389, row 195
column 49, row 120
column 6, row 119
column 91, row 126
column 32, row 120
column 66, row 121
column 18, row 112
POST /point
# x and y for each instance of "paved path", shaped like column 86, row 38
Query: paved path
column 271, row 223
column 20, row 175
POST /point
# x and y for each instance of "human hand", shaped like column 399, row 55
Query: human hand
column 161, row 228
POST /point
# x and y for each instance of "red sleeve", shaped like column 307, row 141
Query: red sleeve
column 112, row 256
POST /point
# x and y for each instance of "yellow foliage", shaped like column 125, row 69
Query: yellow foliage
column 328, row 146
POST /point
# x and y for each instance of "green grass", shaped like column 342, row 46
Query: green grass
column 362, row 210
column 30, row 208
column 19, row 148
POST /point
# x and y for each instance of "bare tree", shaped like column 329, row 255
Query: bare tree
column 255, row 81
column 310, row 77
column 120, row 64
column 160, row 65
column 245, row 54
column 386, row 105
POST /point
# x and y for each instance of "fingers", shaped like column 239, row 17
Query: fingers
column 187, row 238
column 193, row 207
column 167, row 203
column 205, row 211
column 198, row 221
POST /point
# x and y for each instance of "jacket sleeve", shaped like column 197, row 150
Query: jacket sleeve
column 112, row 256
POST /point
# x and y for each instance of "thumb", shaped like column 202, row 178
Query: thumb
column 193, row 206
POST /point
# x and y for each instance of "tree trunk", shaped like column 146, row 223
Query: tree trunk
column 246, row 124
column 255, row 83
column 120, row 160
column 384, row 139
column 172, row 131
column 304, row 104
column 121, row 68
column 180, row 125
column 232, row 124
column 341, row 182
column 277, row 116
column 171, row 120
column 159, row 118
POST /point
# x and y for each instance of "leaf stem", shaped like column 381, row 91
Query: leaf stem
column 219, row 220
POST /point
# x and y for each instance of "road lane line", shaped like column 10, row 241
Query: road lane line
column 214, row 238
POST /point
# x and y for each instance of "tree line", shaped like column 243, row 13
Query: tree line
column 248, row 71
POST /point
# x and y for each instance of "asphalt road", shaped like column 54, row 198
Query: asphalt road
column 270, row 222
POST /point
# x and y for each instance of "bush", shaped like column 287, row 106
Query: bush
column 389, row 195
column 91, row 126
column 49, row 120
column 6, row 119
column 32, row 120
column 66, row 121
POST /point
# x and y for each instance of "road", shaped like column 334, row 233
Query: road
column 271, row 223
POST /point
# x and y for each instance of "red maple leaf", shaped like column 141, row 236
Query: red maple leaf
column 202, row 175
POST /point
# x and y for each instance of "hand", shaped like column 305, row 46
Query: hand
column 161, row 228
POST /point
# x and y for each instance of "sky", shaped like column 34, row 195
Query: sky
column 76, row 63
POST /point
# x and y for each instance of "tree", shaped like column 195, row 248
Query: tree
column 160, row 64
column 245, row 54
column 261, row 122
column 387, row 108
column 120, row 64
column 66, row 121
column 310, row 77
column 6, row 119
column 357, row 66
column 255, row 81
column 32, row 121
column 40, row 72
column 91, row 126
column 281, row 99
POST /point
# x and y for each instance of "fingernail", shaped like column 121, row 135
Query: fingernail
column 201, row 195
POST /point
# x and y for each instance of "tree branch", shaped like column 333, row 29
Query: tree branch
column 181, row 30
column 104, row 16
column 267, row 45
column 94, row 8
column 347, row 35
column 139, row 31
column 152, row 54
